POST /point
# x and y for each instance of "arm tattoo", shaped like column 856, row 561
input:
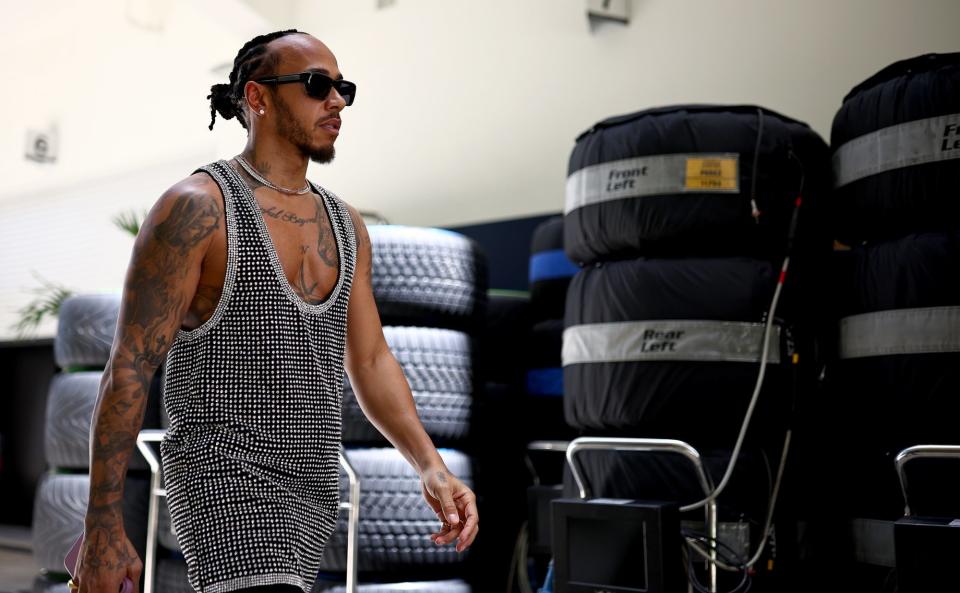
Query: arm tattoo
column 363, row 242
column 153, row 302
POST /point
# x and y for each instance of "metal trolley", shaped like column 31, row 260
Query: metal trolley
column 156, row 491
column 576, row 446
column 917, row 452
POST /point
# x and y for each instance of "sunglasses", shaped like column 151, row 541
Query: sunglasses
column 317, row 85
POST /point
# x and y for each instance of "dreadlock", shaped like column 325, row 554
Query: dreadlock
column 252, row 60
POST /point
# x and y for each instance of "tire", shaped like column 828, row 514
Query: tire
column 899, row 399
column 58, row 518
column 544, row 383
column 85, row 331
column 70, row 407
column 550, row 270
column 165, row 532
column 438, row 365
column 546, row 342
column 918, row 270
column 427, row 277
column 921, row 197
column 502, row 344
column 59, row 510
column 650, row 206
column 395, row 521
column 171, row 576
column 698, row 400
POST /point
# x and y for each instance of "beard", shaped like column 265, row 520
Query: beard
column 290, row 129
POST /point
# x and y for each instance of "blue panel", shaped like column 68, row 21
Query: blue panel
column 545, row 382
column 548, row 265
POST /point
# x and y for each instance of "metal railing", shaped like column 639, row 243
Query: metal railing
column 647, row 445
column 551, row 446
column 917, row 452
column 352, row 506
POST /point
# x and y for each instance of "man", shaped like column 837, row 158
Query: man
column 242, row 280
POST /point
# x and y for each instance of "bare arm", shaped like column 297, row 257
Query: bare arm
column 160, row 283
column 384, row 395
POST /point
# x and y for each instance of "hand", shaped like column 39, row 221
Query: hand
column 105, row 558
column 455, row 505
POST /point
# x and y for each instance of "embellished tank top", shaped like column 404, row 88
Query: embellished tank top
column 253, row 396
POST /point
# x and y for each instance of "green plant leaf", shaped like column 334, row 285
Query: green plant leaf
column 47, row 304
column 129, row 221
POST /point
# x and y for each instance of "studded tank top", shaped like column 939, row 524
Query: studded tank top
column 253, row 396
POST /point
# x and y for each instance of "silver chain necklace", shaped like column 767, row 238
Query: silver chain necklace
column 253, row 173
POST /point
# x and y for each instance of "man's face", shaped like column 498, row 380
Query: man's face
column 310, row 124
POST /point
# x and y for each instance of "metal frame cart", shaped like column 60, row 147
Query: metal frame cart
column 573, row 448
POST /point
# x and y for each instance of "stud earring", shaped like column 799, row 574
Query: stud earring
column 261, row 112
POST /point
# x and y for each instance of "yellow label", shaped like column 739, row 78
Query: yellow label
column 712, row 174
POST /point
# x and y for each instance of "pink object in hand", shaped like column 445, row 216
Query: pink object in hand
column 73, row 556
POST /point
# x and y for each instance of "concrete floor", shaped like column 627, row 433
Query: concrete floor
column 17, row 570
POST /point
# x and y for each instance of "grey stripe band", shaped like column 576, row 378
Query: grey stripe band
column 651, row 176
column 901, row 331
column 687, row 340
column 912, row 143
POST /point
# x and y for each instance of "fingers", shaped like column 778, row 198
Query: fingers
column 133, row 573
column 456, row 507
column 450, row 512
column 443, row 531
column 465, row 530
column 448, row 531
column 471, row 523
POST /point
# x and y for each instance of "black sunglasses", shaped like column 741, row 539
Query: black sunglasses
column 317, row 85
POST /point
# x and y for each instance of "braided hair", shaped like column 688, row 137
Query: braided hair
column 251, row 61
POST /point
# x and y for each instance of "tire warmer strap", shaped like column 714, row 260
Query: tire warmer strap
column 927, row 330
column 653, row 175
column 903, row 145
column 668, row 340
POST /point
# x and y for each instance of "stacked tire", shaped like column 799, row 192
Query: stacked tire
column 681, row 218
column 87, row 325
column 896, row 156
column 550, row 274
column 430, row 286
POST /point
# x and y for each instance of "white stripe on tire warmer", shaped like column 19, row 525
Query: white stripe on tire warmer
column 652, row 176
column 668, row 340
column 912, row 143
column 927, row 330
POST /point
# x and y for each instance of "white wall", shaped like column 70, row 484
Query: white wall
column 132, row 119
column 466, row 110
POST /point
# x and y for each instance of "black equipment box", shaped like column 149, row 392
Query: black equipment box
column 538, row 510
column 608, row 545
column 927, row 550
